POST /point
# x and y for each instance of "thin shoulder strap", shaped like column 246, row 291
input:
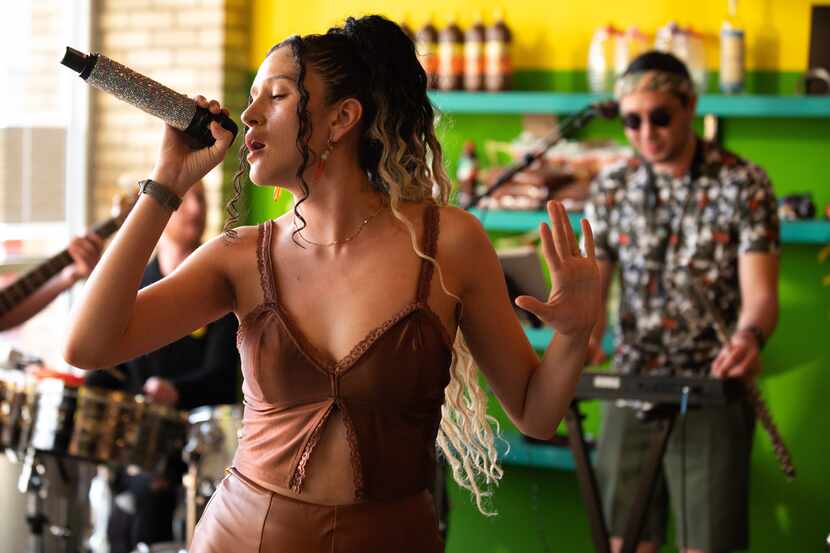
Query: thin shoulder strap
column 263, row 257
column 429, row 247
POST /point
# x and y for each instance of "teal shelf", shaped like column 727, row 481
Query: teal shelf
column 539, row 338
column 532, row 454
column 792, row 232
column 805, row 232
column 741, row 105
column 764, row 106
column 511, row 102
column 518, row 221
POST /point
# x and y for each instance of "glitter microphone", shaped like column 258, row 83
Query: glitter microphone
column 176, row 109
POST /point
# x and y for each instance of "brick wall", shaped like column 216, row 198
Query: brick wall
column 191, row 46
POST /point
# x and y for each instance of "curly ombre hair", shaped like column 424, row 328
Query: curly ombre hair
column 372, row 59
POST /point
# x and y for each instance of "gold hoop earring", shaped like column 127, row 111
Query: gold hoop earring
column 277, row 192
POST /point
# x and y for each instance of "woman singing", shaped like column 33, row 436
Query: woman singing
column 364, row 311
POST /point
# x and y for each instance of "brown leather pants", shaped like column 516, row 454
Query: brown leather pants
column 243, row 517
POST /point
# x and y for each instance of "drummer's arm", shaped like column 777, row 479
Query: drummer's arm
column 113, row 322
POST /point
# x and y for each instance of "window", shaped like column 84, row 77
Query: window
column 42, row 150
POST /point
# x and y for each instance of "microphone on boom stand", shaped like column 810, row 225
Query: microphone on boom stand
column 607, row 110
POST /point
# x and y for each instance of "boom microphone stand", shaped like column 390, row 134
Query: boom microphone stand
column 578, row 120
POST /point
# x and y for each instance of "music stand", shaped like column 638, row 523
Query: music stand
column 523, row 274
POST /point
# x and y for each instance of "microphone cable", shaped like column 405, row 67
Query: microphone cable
column 684, row 405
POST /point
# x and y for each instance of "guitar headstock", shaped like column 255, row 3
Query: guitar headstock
column 122, row 203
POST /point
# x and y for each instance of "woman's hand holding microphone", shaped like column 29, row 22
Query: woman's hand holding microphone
column 179, row 166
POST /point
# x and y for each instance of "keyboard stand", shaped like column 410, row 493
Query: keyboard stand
column 662, row 415
column 587, row 479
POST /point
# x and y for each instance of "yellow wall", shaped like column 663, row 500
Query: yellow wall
column 554, row 34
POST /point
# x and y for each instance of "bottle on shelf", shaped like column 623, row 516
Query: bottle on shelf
column 451, row 57
column 667, row 39
column 629, row 45
column 732, row 51
column 467, row 173
column 601, row 59
column 498, row 65
column 426, row 45
column 696, row 59
column 474, row 56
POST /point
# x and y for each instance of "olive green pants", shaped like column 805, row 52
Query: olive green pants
column 710, row 497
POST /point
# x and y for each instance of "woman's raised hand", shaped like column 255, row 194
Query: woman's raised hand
column 179, row 166
column 574, row 303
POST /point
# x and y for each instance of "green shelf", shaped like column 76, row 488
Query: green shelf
column 740, row 105
column 792, row 232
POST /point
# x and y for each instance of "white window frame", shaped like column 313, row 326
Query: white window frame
column 78, row 130
column 76, row 167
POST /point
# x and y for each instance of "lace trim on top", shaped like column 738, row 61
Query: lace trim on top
column 430, row 241
column 248, row 320
column 263, row 259
column 297, row 478
column 366, row 343
column 357, row 464
column 270, row 287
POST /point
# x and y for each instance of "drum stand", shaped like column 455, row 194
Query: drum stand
column 190, row 481
column 35, row 484
column 192, row 455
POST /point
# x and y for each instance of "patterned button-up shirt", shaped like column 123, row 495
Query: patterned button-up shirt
column 665, row 233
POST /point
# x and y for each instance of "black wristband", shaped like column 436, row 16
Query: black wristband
column 757, row 333
column 160, row 193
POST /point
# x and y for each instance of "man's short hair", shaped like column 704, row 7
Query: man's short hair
column 655, row 60
column 656, row 70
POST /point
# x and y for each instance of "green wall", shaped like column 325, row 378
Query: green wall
column 540, row 509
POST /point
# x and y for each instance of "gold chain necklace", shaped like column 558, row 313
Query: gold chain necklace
column 342, row 241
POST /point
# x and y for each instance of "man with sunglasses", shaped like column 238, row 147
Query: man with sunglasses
column 682, row 217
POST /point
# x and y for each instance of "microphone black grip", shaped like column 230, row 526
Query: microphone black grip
column 198, row 132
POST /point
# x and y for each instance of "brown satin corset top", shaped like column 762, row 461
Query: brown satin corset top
column 388, row 390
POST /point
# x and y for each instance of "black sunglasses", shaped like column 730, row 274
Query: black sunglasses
column 660, row 117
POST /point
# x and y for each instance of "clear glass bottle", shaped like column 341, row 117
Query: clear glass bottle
column 697, row 59
column 732, row 51
column 667, row 38
column 601, row 57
